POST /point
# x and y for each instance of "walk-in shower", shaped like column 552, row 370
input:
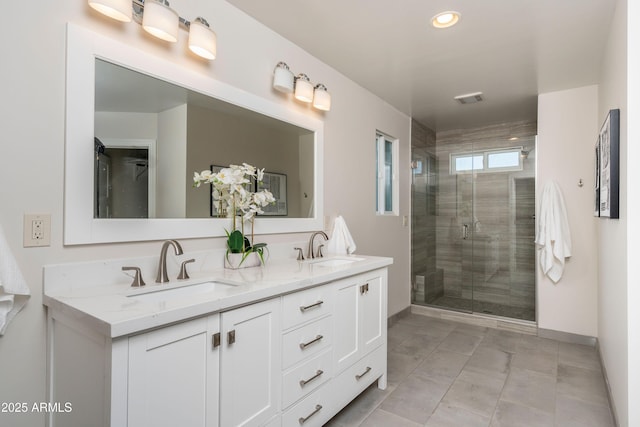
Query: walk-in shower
column 473, row 219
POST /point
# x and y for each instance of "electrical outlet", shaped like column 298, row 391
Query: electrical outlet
column 37, row 230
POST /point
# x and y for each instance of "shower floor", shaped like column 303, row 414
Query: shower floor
column 463, row 304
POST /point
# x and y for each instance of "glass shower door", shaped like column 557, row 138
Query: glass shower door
column 473, row 227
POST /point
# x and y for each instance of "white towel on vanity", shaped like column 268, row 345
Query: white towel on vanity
column 553, row 236
column 14, row 291
column 341, row 242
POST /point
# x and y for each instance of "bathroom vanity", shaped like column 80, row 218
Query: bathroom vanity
column 286, row 344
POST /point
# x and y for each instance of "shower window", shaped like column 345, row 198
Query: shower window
column 507, row 159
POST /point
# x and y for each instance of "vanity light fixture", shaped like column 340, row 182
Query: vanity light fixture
column 321, row 98
column 120, row 10
column 445, row 19
column 303, row 90
column 159, row 20
column 283, row 79
column 202, row 39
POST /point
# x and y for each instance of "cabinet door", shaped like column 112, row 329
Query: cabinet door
column 250, row 364
column 173, row 376
column 346, row 344
column 373, row 313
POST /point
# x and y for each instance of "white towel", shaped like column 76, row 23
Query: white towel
column 341, row 242
column 14, row 291
column 553, row 236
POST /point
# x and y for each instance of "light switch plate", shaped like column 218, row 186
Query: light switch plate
column 37, row 230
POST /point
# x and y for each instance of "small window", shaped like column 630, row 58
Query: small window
column 508, row 159
column 386, row 175
column 504, row 159
column 468, row 162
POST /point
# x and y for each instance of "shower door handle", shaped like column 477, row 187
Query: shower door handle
column 465, row 231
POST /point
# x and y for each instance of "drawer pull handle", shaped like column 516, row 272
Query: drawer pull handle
column 231, row 337
column 305, row 382
column 303, row 420
column 317, row 304
column 307, row 344
column 366, row 371
column 364, row 288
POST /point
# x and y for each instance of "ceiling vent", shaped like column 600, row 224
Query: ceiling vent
column 469, row 98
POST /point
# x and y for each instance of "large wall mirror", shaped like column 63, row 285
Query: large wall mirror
column 138, row 126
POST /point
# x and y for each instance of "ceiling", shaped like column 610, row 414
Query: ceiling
column 511, row 50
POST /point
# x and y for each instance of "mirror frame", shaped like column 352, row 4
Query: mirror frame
column 80, row 227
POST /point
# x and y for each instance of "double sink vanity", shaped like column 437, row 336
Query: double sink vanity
column 289, row 343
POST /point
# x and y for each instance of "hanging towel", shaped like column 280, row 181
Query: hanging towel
column 341, row 242
column 14, row 291
column 553, row 236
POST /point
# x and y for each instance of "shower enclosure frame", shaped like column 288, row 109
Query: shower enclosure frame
column 502, row 281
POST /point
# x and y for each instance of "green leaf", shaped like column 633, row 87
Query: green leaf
column 235, row 241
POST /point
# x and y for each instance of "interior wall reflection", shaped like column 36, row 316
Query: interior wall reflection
column 192, row 134
column 120, row 103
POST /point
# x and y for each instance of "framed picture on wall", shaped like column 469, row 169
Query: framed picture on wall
column 609, row 166
column 276, row 183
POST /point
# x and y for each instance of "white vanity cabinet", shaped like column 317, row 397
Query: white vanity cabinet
column 295, row 358
column 176, row 372
column 360, row 317
column 250, row 365
column 173, row 375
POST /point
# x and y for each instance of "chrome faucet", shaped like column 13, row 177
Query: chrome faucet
column 313, row 236
column 162, row 276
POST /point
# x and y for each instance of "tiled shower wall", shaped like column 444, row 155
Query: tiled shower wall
column 496, row 265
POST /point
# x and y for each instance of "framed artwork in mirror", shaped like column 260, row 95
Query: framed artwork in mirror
column 276, row 183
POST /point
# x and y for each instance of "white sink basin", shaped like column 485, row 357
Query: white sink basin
column 334, row 262
column 154, row 295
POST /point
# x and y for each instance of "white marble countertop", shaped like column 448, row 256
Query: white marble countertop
column 114, row 311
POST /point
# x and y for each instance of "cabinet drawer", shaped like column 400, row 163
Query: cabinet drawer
column 305, row 378
column 314, row 410
column 358, row 377
column 301, row 307
column 306, row 341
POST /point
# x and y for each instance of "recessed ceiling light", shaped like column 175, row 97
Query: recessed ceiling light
column 445, row 19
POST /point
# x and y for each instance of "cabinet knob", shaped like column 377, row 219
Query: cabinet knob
column 231, row 337
column 215, row 340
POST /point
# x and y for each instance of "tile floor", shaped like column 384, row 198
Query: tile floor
column 447, row 374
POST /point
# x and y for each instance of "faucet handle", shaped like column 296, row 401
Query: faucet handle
column 183, row 269
column 320, row 254
column 137, row 279
column 300, row 254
